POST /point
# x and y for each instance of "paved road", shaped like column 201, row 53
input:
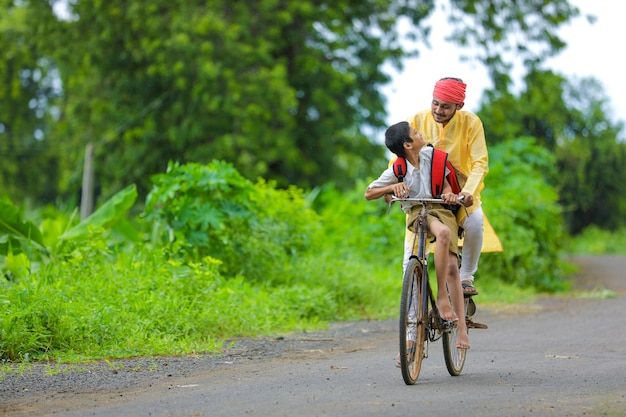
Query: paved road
column 558, row 357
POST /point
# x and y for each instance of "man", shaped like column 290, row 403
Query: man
column 460, row 133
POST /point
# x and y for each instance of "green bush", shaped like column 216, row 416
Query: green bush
column 596, row 241
column 227, row 257
column 254, row 229
column 524, row 211
column 100, row 296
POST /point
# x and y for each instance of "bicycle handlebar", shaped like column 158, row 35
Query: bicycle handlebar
column 423, row 200
column 419, row 200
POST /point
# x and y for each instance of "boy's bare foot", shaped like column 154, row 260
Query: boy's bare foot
column 445, row 310
column 462, row 340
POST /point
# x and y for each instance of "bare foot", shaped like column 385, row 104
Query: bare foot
column 462, row 340
column 445, row 310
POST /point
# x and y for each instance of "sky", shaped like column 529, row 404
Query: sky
column 594, row 50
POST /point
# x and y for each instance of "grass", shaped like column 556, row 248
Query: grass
column 98, row 301
column 596, row 294
column 595, row 241
column 92, row 306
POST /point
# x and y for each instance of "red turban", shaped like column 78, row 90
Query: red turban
column 450, row 90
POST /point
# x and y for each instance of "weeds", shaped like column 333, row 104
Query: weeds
column 215, row 257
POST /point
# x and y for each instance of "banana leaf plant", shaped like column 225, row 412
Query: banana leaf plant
column 22, row 243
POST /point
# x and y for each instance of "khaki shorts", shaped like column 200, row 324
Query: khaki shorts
column 445, row 216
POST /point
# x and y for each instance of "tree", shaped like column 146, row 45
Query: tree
column 505, row 32
column 591, row 161
column 284, row 90
column 278, row 88
column 539, row 110
column 26, row 91
column 573, row 120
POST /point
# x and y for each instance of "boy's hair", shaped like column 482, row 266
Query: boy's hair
column 395, row 136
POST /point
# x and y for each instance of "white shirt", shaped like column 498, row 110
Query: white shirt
column 417, row 179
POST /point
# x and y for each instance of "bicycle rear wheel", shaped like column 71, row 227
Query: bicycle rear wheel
column 413, row 320
column 454, row 357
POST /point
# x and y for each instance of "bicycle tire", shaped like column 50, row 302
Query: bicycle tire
column 413, row 330
column 453, row 356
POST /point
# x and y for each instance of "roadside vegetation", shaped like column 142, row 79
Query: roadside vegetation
column 227, row 169
column 596, row 241
column 213, row 256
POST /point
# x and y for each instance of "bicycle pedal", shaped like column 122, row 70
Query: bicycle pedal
column 472, row 325
column 471, row 307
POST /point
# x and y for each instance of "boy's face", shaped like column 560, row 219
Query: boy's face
column 418, row 140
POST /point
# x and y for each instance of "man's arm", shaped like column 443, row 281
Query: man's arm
column 479, row 159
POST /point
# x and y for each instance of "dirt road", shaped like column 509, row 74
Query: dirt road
column 562, row 356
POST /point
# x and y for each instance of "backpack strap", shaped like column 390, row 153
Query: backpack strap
column 452, row 178
column 399, row 168
column 437, row 171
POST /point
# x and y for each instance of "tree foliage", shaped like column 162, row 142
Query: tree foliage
column 27, row 88
column 505, row 33
column 288, row 91
column 538, row 111
column 573, row 120
column 278, row 88
column 591, row 160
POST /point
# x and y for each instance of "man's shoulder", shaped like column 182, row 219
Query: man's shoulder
column 423, row 116
column 468, row 115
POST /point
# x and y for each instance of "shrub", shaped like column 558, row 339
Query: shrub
column 256, row 230
column 524, row 211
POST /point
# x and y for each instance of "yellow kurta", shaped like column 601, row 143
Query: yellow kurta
column 469, row 156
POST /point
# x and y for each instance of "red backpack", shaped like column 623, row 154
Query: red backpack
column 437, row 172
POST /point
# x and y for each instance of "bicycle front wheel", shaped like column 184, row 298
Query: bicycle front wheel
column 413, row 320
column 454, row 357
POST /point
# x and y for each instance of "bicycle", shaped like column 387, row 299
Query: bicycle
column 420, row 324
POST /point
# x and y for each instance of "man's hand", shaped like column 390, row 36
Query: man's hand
column 468, row 200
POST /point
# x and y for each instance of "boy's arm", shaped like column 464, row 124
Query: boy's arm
column 447, row 193
column 447, row 188
column 399, row 189
column 452, row 198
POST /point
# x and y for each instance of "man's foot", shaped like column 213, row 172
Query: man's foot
column 411, row 348
column 468, row 287
column 445, row 310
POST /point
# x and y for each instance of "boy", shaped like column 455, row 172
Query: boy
column 404, row 141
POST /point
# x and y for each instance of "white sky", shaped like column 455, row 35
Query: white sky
column 592, row 51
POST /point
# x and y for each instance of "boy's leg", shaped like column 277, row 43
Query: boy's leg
column 442, row 234
column 456, row 294
column 473, row 225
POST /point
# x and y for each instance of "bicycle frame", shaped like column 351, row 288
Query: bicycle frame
column 436, row 323
column 418, row 324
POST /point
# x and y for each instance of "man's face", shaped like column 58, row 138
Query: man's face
column 443, row 111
